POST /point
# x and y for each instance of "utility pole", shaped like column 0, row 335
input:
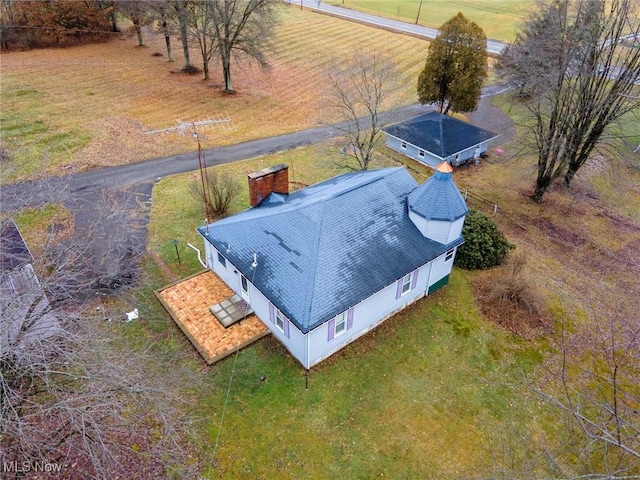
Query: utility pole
column 419, row 8
column 222, row 122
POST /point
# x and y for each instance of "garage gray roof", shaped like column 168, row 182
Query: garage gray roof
column 439, row 134
column 322, row 249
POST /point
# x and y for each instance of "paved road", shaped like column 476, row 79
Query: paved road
column 149, row 171
column 83, row 193
column 494, row 47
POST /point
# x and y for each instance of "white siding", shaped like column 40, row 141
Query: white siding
column 296, row 343
column 413, row 152
column 313, row 347
column 367, row 314
column 455, row 231
column 440, row 231
column 440, row 268
column 229, row 274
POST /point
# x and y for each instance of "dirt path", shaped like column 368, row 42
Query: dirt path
column 490, row 117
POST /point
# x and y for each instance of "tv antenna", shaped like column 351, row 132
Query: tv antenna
column 204, row 178
column 220, row 123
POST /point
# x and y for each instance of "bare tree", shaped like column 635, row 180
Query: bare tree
column 180, row 12
column 596, row 385
column 165, row 14
column 201, row 24
column 140, row 13
column 575, row 67
column 70, row 390
column 360, row 88
column 243, row 27
column 220, row 190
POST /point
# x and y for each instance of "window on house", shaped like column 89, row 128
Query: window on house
column 222, row 260
column 449, row 255
column 403, row 145
column 279, row 320
column 406, row 283
column 340, row 324
column 421, row 153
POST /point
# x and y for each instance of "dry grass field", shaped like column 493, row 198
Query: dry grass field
column 89, row 105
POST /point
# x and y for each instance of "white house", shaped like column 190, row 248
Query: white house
column 324, row 265
column 434, row 138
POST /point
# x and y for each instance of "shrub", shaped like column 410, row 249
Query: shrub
column 485, row 246
column 509, row 297
column 221, row 190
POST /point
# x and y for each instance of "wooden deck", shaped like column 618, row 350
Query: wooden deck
column 188, row 302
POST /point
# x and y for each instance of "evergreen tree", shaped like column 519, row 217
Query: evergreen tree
column 456, row 67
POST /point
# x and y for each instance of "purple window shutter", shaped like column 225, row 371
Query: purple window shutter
column 272, row 313
column 332, row 329
column 286, row 327
column 349, row 318
column 399, row 289
column 414, row 280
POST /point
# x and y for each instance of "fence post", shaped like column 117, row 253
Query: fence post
column 466, row 193
column 495, row 208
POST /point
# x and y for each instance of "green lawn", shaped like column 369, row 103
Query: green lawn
column 39, row 140
column 433, row 393
column 427, row 395
column 498, row 18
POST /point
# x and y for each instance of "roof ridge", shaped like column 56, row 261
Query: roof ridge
column 313, row 259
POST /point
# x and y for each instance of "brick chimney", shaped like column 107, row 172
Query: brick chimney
column 263, row 182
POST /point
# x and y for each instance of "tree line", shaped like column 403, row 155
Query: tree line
column 28, row 24
column 222, row 29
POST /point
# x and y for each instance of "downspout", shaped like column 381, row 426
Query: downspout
column 307, row 352
column 426, row 292
column 199, row 257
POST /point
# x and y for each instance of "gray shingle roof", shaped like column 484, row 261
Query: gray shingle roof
column 439, row 134
column 324, row 248
column 438, row 198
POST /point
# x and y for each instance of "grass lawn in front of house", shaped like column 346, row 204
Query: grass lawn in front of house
column 432, row 393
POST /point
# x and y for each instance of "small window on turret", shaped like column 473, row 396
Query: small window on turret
column 403, row 145
column 449, row 255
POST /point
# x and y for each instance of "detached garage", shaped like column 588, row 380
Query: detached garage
column 434, row 138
